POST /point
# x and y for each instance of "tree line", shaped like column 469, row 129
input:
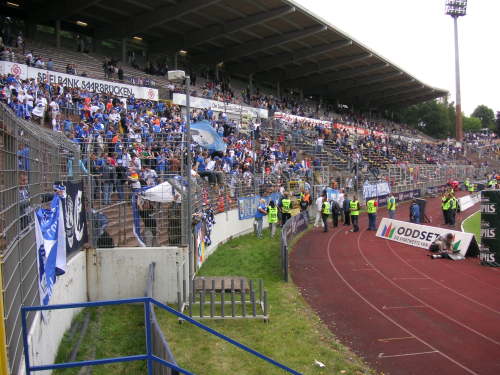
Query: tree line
column 438, row 119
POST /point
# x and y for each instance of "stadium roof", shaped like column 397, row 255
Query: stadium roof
column 274, row 40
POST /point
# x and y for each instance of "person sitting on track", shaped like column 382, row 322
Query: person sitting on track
column 442, row 247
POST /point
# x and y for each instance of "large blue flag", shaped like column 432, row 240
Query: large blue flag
column 51, row 247
column 205, row 135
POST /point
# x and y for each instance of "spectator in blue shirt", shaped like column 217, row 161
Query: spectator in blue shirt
column 259, row 215
column 415, row 212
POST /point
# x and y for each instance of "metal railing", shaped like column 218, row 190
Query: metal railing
column 149, row 356
column 160, row 347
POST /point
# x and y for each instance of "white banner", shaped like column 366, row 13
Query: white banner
column 421, row 235
column 468, row 201
column 375, row 190
column 68, row 80
column 214, row 105
column 293, row 118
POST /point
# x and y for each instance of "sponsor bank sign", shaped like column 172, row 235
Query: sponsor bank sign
column 214, row 105
column 84, row 83
column 421, row 235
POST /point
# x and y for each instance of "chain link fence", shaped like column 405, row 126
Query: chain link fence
column 32, row 159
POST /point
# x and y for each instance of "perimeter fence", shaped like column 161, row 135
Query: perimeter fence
column 32, row 159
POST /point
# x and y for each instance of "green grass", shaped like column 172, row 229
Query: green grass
column 473, row 225
column 294, row 336
column 113, row 331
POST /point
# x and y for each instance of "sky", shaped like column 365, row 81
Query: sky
column 417, row 36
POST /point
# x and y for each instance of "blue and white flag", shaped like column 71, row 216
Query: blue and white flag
column 51, row 247
column 137, row 221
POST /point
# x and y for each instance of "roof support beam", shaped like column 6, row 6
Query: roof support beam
column 136, row 24
column 248, row 48
column 268, row 63
column 211, row 32
column 347, row 89
column 398, row 92
column 410, row 99
column 215, row 31
column 386, row 86
column 344, row 74
column 60, row 9
column 326, row 64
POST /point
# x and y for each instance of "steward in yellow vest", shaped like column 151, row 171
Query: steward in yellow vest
column 354, row 211
column 371, row 208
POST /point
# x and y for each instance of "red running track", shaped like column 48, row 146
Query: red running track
column 403, row 312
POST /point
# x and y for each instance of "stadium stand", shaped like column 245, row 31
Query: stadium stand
column 118, row 145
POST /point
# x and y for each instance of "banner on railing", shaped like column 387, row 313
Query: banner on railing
column 214, row 105
column 467, row 201
column 247, row 206
column 294, row 226
column 199, row 244
column 73, row 81
column 75, row 221
column 51, row 247
column 373, row 190
column 294, row 118
column 421, row 235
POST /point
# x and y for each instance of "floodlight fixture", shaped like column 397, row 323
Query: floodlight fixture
column 81, row 23
column 183, row 52
column 456, row 8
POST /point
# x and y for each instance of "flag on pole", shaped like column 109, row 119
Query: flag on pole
column 51, row 247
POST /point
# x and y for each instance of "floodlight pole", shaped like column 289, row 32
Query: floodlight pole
column 458, row 115
column 455, row 9
column 188, row 177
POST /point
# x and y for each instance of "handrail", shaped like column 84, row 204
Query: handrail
column 149, row 357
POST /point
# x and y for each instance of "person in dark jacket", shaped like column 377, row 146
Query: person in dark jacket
column 336, row 210
column 346, row 205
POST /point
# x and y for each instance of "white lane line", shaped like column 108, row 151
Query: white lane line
column 402, row 307
column 355, row 291
column 446, row 316
column 382, row 355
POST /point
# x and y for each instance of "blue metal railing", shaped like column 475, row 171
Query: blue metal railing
column 149, row 357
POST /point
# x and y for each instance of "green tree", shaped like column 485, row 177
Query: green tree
column 472, row 124
column 486, row 116
column 431, row 117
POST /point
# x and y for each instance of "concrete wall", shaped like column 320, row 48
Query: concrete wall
column 122, row 272
column 227, row 226
column 45, row 336
column 119, row 273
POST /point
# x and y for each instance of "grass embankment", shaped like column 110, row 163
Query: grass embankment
column 473, row 225
column 113, row 331
column 294, row 336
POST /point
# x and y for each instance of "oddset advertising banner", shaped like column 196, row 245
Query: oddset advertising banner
column 421, row 235
column 73, row 81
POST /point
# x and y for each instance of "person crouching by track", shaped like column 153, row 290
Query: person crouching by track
column 442, row 247
column 272, row 217
column 371, row 208
column 325, row 213
column 354, row 212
